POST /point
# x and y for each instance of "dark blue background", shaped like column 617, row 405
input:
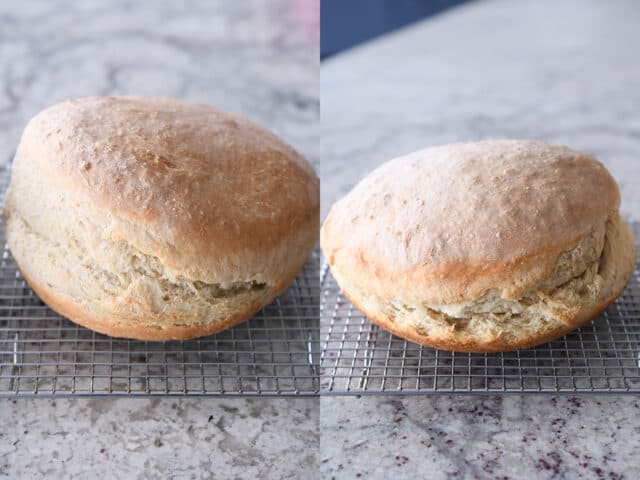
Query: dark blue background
column 345, row 23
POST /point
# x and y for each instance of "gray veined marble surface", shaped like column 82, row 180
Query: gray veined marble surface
column 256, row 58
column 177, row 438
column 565, row 72
column 492, row 437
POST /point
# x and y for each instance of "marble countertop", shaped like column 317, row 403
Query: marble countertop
column 178, row 438
column 256, row 58
column 564, row 72
column 497, row 437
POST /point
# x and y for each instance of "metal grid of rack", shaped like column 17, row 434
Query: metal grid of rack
column 357, row 357
column 42, row 353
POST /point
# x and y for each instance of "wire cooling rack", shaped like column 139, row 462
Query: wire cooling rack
column 357, row 357
column 42, row 353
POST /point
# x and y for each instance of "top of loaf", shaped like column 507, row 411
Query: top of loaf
column 448, row 223
column 200, row 184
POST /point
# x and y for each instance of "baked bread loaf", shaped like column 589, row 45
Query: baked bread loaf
column 481, row 247
column 157, row 219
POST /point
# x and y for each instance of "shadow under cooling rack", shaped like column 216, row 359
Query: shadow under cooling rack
column 357, row 357
column 42, row 353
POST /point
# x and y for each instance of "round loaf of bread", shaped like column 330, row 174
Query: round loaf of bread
column 481, row 247
column 157, row 219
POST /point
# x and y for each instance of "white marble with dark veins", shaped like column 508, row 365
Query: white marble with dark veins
column 565, row 72
column 257, row 58
column 467, row 437
column 177, row 438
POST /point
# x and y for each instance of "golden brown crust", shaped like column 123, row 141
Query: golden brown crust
column 204, row 184
column 449, row 222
